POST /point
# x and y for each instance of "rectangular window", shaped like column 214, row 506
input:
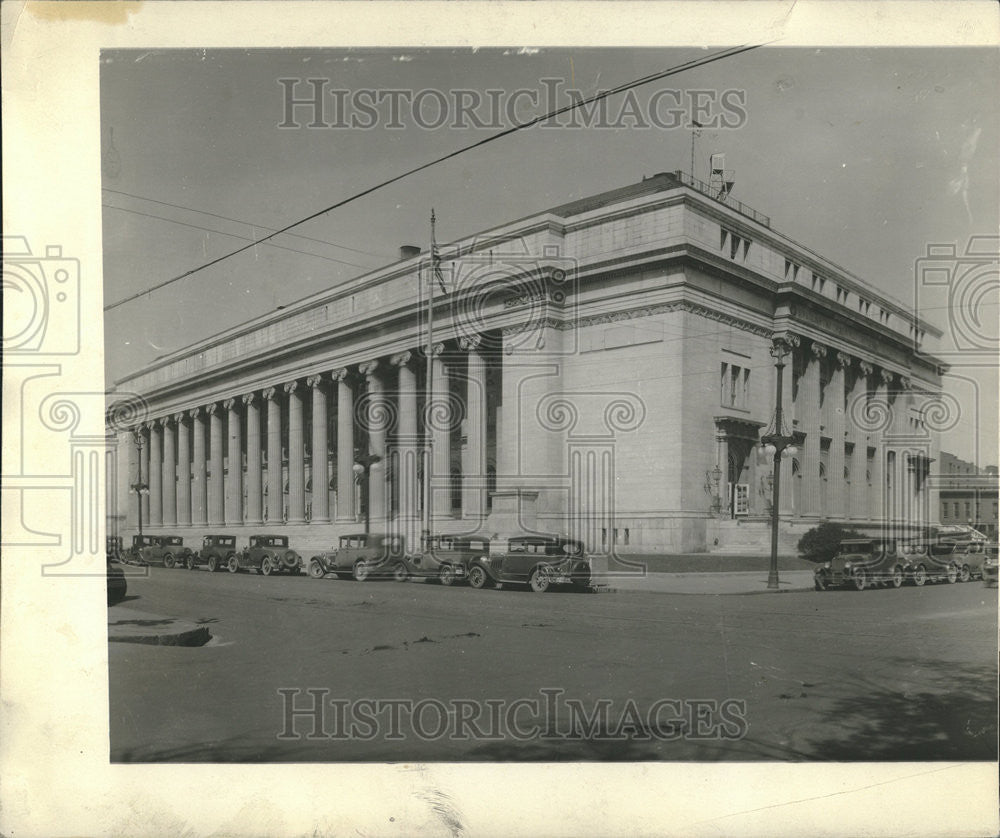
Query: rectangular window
column 734, row 386
column 723, row 383
column 742, row 499
column 791, row 270
column 735, row 245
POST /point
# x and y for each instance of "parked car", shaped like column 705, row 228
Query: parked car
column 116, row 584
column 167, row 550
column 375, row 555
column 218, row 552
column 864, row 562
column 537, row 561
column 268, row 554
column 933, row 557
column 455, row 555
column 990, row 565
column 969, row 548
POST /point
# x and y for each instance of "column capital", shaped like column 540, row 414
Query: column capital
column 290, row 387
column 470, row 342
column 866, row 368
column 229, row 404
column 905, row 382
column 401, row 359
column 886, row 376
column 340, row 375
column 314, row 381
column 248, row 398
column 212, row 409
column 368, row 368
column 178, row 417
column 818, row 350
column 437, row 350
column 843, row 360
column 269, row 393
column 163, row 421
column 194, row 412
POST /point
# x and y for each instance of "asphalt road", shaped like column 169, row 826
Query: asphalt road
column 394, row 672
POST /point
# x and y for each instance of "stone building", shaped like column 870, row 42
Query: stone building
column 602, row 369
column 968, row 494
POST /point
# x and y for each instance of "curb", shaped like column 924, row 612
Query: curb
column 127, row 626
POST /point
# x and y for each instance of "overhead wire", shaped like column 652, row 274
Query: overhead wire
column 520, row 126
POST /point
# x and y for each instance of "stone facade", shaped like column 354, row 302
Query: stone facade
column 602, row 369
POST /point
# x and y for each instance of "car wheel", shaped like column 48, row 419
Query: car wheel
column 540, row 580
column 316, row 570
column 290, row 560
column 360, row 572
column 860, row 580
column 477, row 576
column 168, row 562
column 232, row 564
column 266, row 568
column 399, row 573
column 920, row 576
column 213, row 564
column 965, row 574
column 192, row 563
column 952, row 574
column 446, row 575
column 820, row 582
column 897, row 577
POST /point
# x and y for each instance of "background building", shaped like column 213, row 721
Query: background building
column 968, row 494
column 602, row 369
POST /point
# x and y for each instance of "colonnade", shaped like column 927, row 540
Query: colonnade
column 250, row 459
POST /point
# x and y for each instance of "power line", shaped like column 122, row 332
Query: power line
column 237, row 221
column 233, row 235
column 679, row 68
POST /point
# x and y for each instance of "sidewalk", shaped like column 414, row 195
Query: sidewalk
column 710, row 583
column 126, row 625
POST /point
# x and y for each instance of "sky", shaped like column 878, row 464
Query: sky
column 867, row 156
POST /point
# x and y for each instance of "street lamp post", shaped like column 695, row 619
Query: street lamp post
column 775, row 444
column 139, row 487
column 362, row 468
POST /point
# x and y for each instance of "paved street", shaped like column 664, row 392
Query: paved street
column 876, row 675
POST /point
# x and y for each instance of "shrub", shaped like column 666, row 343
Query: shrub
column 820, row 543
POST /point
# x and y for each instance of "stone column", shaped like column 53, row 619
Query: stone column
column 809, row 395
column 275, row 491
column 345, row 447
column 216, row 485
column 474, row 451
column 320, row 453
column 254, row 512
column 155, row 473
column 859, row 458
column 146, row 432
column 439, row 419
column 169, row 497
column 234, row 483
column 408, row 446
column 724, row 491
column 296, row 456
column 837, row 423
column 376, row 415
column 880, row 411
column 199, row 484
column 183, row 470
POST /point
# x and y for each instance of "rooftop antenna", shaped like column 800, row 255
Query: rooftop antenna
column 721, row 179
